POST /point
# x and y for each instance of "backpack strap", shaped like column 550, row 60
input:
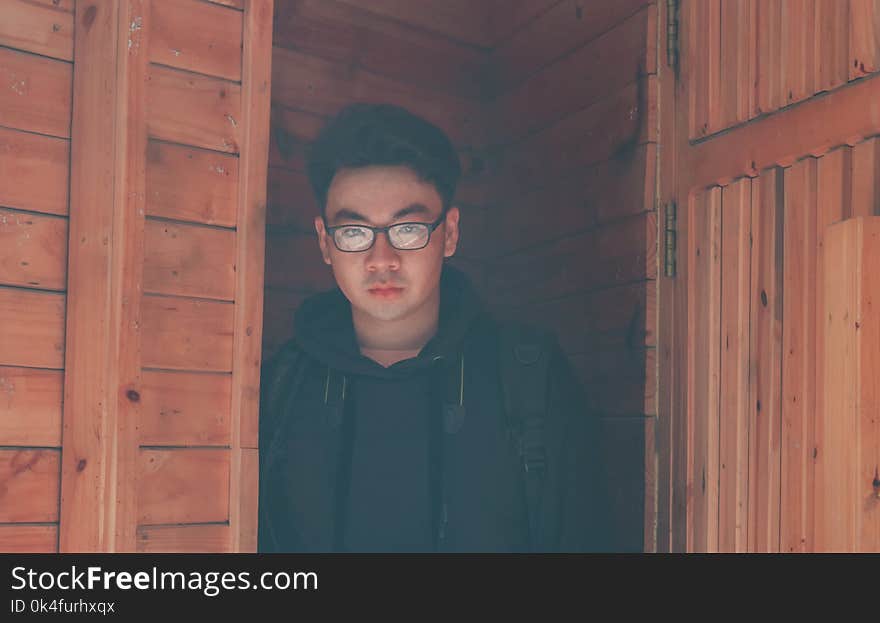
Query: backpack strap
column 524, row 367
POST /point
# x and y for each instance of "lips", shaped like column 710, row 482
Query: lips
column 385, row 291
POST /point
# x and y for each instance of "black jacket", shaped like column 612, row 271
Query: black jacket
column 354, row 456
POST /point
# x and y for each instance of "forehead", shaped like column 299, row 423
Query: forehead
column 379, row 192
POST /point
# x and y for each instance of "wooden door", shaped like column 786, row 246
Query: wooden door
column 133, row 150
column 770, row 111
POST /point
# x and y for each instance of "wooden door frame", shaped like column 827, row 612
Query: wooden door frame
column 808, row 128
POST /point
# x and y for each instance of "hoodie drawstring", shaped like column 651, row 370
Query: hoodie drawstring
column 343, row 469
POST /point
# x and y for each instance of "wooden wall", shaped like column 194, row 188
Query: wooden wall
column 745, row 323
column 132, row 217
column 573, row 151
column 36, row 71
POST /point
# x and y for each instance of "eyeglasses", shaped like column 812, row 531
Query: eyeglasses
column 401, row 236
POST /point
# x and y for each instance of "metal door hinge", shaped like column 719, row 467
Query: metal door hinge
column 670, row 240
column 672, row 8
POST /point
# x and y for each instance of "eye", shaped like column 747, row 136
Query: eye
column 353, row 232
column 408, row 229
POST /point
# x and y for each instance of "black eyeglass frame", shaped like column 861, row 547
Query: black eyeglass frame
column 378, row 230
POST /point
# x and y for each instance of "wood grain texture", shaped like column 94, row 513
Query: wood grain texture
column 192, row 539
column 29, row 485
column 351, row 35
column 765, row 382
column 291, row 202
column 704, row 316
column 189, row 260
column 866, row 178
column 559, row 29
column 28, row 539
column 189, row 184
column 769, row 77
column 830, row 47
column 294, row 261
column 43, row 26
column 196, row 36
column 35, row 171
column 31, row 328
column 705, row 54
column 33, row 250
column 36, row 93
column 30, row 406
column 603, row 66
column 185, row 409
column 186, row 334
column 734, row 432
column 864, row 37
column 850, row 429
column 799, row 364
column 192, row 109
column 183, row 486
column 98, row 502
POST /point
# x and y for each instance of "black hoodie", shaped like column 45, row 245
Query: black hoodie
column 358, row 457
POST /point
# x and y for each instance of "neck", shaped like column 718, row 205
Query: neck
column 390, row 341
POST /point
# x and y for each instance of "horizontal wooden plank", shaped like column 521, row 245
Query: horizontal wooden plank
column 185, row 409
column 624, row 384
column 290, row 133
column 291, row 201
column 557, row 31
column 605, row 192
column 193, row 539
column 35, row 171
column 294, row 261
column 186, row 334
column 37, row 93
column 621, row 252
column 30, row 406
column 196, row 36
column 33, row 250
column 583, row 322
column 578, row 80
column 843, row 116
column 183, row 486
column 28, row 539
column 611, row 128
column 344, row 34
column 29, row 483
column 190, row 184
column 192, row 109
column 189, row 260
column 31, row 328
column 462, row 20
column 323, row 87
column 507, row 17
column 42, row 26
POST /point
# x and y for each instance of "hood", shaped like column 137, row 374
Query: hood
column 323, row 328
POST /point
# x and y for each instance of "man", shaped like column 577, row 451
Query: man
column 383, row 420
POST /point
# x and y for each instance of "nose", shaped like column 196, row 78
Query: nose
column 382, row 256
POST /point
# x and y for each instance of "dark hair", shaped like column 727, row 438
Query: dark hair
column 364, row 134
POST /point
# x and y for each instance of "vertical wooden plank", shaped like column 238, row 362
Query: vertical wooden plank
column 706, row 87
column 736, row 45
column 101, row 392
column 866, row 178
column 799, row 351
column 864, row 37
column 734, row 410
column 850, row 473
column 834, row 192
column 704, row 296
column 769, row 76
column 251, row 219
column 765, row 382
column 831, row 44
column 798, row 35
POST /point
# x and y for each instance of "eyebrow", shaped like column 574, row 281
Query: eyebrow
column 351, row 215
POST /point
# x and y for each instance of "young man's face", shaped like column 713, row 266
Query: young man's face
column 383, row 282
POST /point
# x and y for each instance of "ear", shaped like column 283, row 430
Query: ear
column 323, row 239
column 450, row 241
